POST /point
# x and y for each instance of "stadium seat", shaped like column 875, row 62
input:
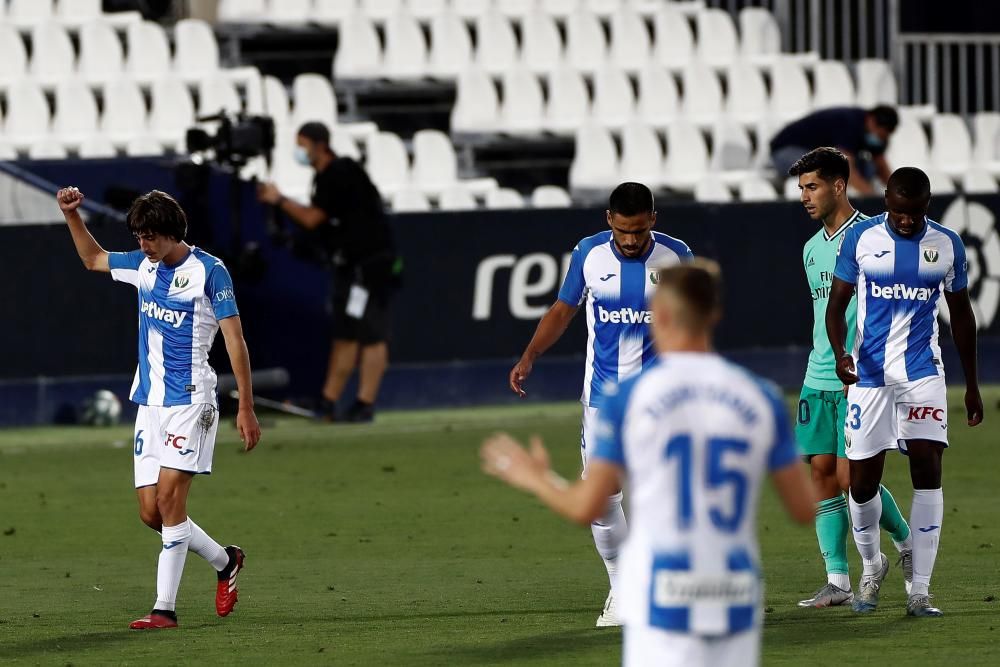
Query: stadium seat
column 746, row 93
column 148, row 51
column 97, row 146
column 602, row 8
column 313, row 98
column 595, row 164
column 410, row 201
column 642, row 155
column 428, row 10
column 514, row 9
column 791, row 189
column 143, row 146
column 289, row 12
column 674, row 44
column 27, row 117
column 712, row 190
column 359, row 52
column 760, row 35
column 941, row 184
column 172, row 112
column 470, row 9
column 101, row 56
column 242, row 11
column 550, row 196
column 332, row 12
column 342, row 144
column 586, row 48
column 732, row 152
column 876, row 83
column 908, row 146
column 496, row 48
column 568, row 105
column 47, row 149
column 217, row 93
column 718, row 44
column 7, row 151
column 986, row 153
column 977, row 181
column 522, row 110
column 614, row 99
column 435, row 167
column 477, row 108
column 687, row 156
column 658, row 103
column 541, row 45
column 73, row 13
column 275, row 103
column 702, row 102
column 451, row 46
column 756, row 189
column 387, row 163
column 124, row 111
column 405, row 54
column 630, row 43
column 196, row 54
column 791, row 97
column 75, row 117
column 13, row 55
column 457, row 199
column 832, row 85
column 951, row 150
column 27, row 13
column 504, row 198
column 560, row 8
column 52, row 55
column 379, row 11
column 293, row 179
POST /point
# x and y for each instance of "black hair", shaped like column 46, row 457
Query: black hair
column 630, row 199
column 885, row 116
column 909, row 183
column 315, row 131
column 828, row 162
column 157, row 213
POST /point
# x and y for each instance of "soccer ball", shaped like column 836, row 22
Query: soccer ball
column 103, row 409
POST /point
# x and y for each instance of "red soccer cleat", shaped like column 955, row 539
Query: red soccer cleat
column 153, row 621
column 227, row 592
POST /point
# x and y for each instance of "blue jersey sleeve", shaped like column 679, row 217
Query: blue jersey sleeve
column 611, row 422
column 573, row 284
column 782, row 451
column 847, row 257
column 219, row 289
column 124, row 266
column 957, row 278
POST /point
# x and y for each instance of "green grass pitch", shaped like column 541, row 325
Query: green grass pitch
column 385, row 545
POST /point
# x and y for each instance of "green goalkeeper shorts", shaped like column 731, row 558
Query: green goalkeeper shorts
column 819, row 424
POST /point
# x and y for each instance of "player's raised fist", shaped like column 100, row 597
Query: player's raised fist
column 69, row 199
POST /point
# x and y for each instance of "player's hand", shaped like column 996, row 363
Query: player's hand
column 974, row 406
column 248, row 427
column 518, row 375
column 268, row 193
column 846, row 370
column 503, row 457
column 69, row 199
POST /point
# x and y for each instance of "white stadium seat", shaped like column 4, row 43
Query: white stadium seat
column 47, row 149
column 560, row 8
column 791, row 97
column 602, row 8
column 289, row 12
column 52, row 55
column 148, row 51
column 313, row 99
column 746, row 94
column 332, row 12
column 387, row 163
column 687, row 156
column 951, row 151
column 26, row 13
column 832, row 85
column 457, row 199
column 712, row 190
column 405, row 54
column 658, row 103
column 196, row 53
column 428, row 10
column 702, row 102
column 541, row 45
column 359, row 52
column 731, row 150
column 217, row 93
column 595, row 164
column 241, row 11
column 101, row 55
column 477, row 108
column 522, row 110
column 586, row 48
column 75, row 117
column 756, row 189
column 614, row 99
column 986, row 153
column 674, row 45
column 172, row 111
column 941, row 184
column 630, row 43
column 568, row 105
column 550, row 196
column 718, row 43
column 504, row 198
column 451, row 46
column 275, row 103
column 410, row 201
column 342, row 144
column 908, row 146
column 977, row 181
column 13, row 55
column 435, row 166
column 470, row 9
column 379, row 10
column 642, row 155
column 77, row 12
column 876, row 83
column 496, row 48
column 27, row 117
column 97, row 146
column 7, row 151
column 515, row 9
column 791, row 189
column 143, row 146
column 760, row 35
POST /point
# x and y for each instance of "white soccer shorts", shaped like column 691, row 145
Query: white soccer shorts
column 648, row 647
column 588, row 434
column 880, row 418
column 180, row 437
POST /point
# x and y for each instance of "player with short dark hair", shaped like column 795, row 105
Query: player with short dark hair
column 823, row 175
column 899, row 263
column 612, row 274
column 185, row 297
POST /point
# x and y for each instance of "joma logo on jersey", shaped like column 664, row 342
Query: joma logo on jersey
column 171, row 317
column 624, row 316
column 900, row 291
column 920, row 413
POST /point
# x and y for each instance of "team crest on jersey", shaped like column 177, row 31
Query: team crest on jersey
column 930, row 255
column 654, row 277
column 181, row 281
column 847, row 440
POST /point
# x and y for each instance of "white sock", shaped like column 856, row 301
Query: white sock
column 207, row 548
column 609, row 532
column 925, row 517
column 905, row 545
column 171, row 566
column 864, row 518
column 841, row 581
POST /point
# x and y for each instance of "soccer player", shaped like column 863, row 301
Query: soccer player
column 899, row 263
column 613, row 273
column 823, row 175
column 694, row 436
column 185, row 297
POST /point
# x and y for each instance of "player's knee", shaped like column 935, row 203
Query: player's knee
column 862, row 492
column 151, row 517
column 168, row 502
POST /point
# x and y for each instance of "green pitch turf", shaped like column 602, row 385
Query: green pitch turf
column 385, row 545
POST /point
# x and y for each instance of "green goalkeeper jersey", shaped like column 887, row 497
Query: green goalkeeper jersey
column 819, row 256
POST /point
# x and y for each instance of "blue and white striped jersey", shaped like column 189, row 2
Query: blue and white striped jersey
column 899, row 283
column 696, row 436
column 616, row 292
column 179, row 311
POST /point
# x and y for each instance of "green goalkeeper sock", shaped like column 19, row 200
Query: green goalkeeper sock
column 832, row 521
column 892, row 520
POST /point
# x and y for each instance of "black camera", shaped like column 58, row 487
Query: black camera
column 239, row 138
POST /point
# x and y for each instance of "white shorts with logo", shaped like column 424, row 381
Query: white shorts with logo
column 880, row 418
column 588, row 434
column 180, row 437
column 648, row 647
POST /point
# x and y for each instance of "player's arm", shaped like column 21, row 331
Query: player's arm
column 881, row 167
column 841, row 292
column 581, row 502
column 795, row 491
column 239, row 359
column 308, row 217
column 94, row 257
column 963, row 331
column 551, row 327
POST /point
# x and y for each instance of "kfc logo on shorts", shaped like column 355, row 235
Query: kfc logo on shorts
column 921, row 413
column 176, row 441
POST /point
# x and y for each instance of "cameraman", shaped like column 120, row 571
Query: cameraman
column 346, row 211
